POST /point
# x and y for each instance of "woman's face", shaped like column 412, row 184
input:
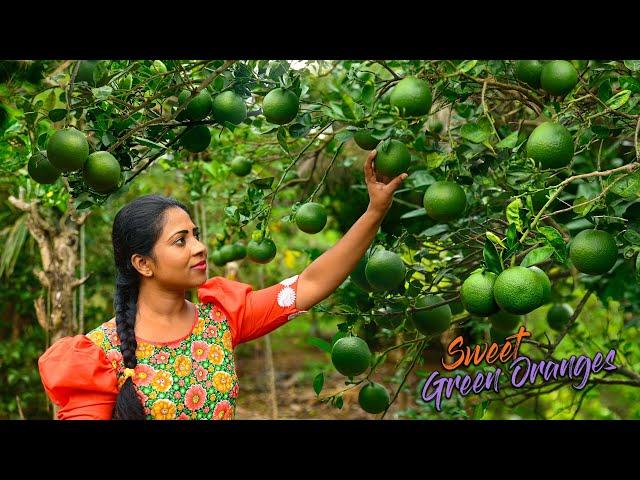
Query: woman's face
column 177, row 250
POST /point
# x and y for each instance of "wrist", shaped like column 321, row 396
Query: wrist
column 375, row 213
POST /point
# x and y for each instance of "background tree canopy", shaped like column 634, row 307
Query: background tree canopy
column 509, row 163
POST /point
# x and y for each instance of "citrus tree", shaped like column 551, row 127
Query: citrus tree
column 521, row 205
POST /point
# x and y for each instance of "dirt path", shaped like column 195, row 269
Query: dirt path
column 295, row 395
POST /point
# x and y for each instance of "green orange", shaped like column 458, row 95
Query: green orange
column 311, row 217
column 445, row 201
column 412, row 96
column 280, row 106
column 385, row 270
column 365, row 140
column 558, row 77
column 528, row 71
column 518, row 290
column 41, row 170
column 593, row 252
column 476, row 293
column 373, row 398
column 351, row 356
column 196, row 138
column 229, row 107
column 198, row 107
column 68, row 150
column 261, row 252
column 551, row 145
column 433, row 321
column 392, row 158
column 241, row 166
column 102, row 172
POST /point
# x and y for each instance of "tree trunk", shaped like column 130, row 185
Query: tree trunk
column 57, row 240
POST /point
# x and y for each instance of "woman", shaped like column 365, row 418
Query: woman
column 163, row 357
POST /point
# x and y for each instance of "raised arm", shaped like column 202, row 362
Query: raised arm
column 325, row 274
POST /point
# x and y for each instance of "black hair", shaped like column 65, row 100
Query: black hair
column 136, row 229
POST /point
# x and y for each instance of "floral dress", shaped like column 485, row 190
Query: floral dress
column 190, row 378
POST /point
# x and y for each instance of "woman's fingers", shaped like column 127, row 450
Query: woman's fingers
column 369, row 174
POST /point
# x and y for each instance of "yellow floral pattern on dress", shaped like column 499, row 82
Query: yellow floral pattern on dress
column 190, row 379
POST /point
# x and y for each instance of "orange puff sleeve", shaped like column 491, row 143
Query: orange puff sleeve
column 252, row 313
column 77, row 376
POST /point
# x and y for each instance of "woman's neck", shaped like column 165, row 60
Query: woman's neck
column 162, row 306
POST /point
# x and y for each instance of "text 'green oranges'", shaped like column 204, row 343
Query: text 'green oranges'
column 445, row 201
column 433, row 321
column 412, row 96
column 311, row 217
column 593, row 252
column 351, row 356
column 280, row 106
column 373, row 398
column 229, row 107
column 261, row 252
column 67, row 150
column 41, row 170
column 385, row 270
column 550, row 145
column 392, row 158
column 476, row 293
column 558, row 77
column 518, row 290
column 101, row 172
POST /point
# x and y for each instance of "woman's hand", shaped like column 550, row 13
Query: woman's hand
column 379, row 187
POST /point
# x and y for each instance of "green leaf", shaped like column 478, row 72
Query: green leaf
column 629, row 82
column 584, row 209
column 50, row 102
column 628, row 187
column 344, row 135
column 480, row 409
column 495, row 239
column 318, row 382
column 509, row 141
column 512, row 236
column 536, row 256
column 491, row 257
column 420, row 212
column 320, row 343
column 467, row 65
column 474, row 133
column 107, row 139
column 368, row 94
column 298, row 130
column 619, row 99
column 554, row 238
column 282, row 139
column 339, row 401
column 435, row 159
column 435, row 230
column 513, row 213
column 102, row 93
column 632, row 236
column 57, row 114
column 263, row 183
column 633, row 65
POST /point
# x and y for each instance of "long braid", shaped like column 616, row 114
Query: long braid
column 128, row 406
